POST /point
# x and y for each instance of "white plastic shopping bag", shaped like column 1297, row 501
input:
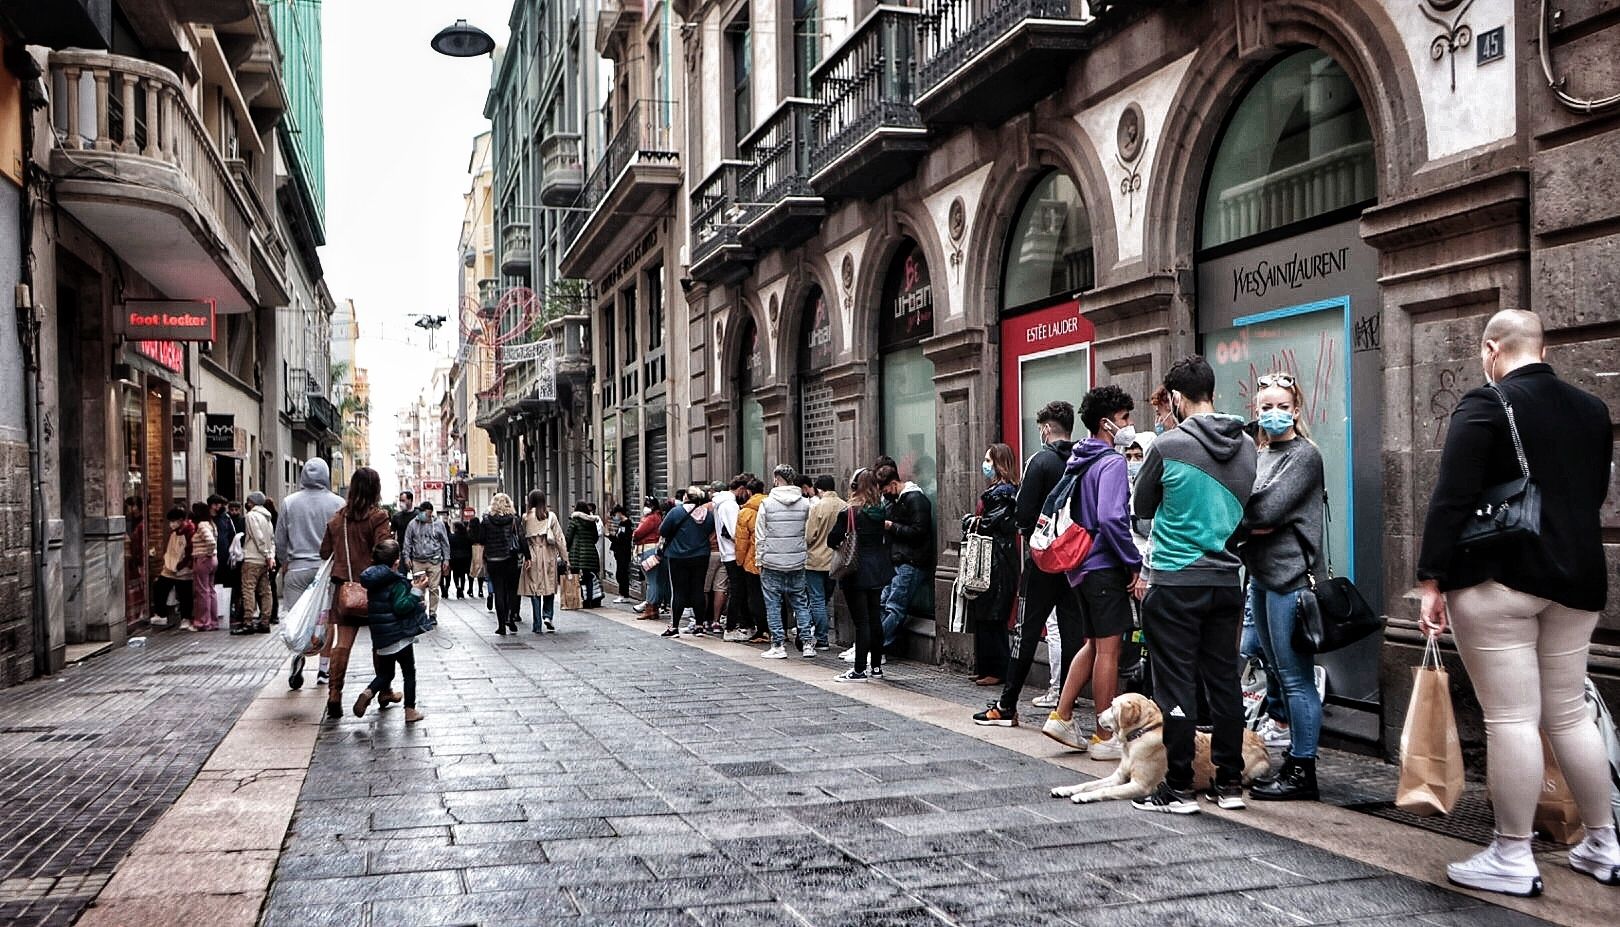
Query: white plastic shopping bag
column 222, row 606
column 304, row 629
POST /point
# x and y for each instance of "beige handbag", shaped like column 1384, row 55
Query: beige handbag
column 978, row 554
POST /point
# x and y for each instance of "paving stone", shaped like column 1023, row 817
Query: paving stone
column 533, row 906
column 734, row 888
column 419, row 859
column 782, row 852
column 1363, row 899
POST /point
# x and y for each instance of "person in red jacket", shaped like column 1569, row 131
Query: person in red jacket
column 646, row 540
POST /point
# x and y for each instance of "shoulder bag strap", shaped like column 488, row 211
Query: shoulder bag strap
column 348, row 559
column 1327, row 543
column 1513, row 429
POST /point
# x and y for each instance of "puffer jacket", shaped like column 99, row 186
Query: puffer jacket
column 779, row 536
column 394, row 612
column 502, row 538
column 747, row 516
column 827, row 511
column 998, row 519
column 583, row 530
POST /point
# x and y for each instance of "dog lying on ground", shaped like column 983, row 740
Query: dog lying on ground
column 1136, row 720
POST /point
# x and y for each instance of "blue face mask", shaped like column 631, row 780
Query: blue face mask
column 1276, row 422
column 988, row 470
column 1158, row 428
column 1135, row 468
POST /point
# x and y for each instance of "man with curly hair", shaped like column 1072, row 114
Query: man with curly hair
column 1110, row 574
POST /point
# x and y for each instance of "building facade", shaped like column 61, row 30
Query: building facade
column 155, row 256
column 909, row 227
column 473, row 377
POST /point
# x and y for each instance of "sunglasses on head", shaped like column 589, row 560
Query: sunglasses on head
column 1284, row 380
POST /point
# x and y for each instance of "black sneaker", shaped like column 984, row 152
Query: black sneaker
column 320, row 677
column 875, row 672
column 670, row 632
column 1226, row 797
column 993, row 716
column 238, row 630
column 1167, row 800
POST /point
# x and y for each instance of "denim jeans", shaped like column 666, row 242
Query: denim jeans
column 658, row 588
column 897, row 598
column 544, row 608
column 1275, row 706
column 1274, row 620
column 819, row 586
column 789, row 585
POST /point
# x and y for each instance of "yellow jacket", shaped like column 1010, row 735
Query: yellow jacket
column 745, row 532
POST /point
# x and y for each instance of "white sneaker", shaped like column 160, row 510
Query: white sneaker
column 1064, row 732
column 1049, row 700
column 848, row 656
column 1591, row 859
column 1105, row 749
column 620, row 600
column 809, row 651
column 775, row 653
column 737, row 636
column 186, row 626
column 1489, row 871
column 1274, row 734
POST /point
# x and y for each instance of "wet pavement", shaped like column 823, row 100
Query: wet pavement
column 602, row 775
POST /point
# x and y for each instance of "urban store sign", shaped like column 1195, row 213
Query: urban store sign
column 908, row 300
column 219, row 434
column 166, row 320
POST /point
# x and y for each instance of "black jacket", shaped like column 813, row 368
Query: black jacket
column 1041, row 476
column 461, row 545
column 1568, row 440
column 911, row 540
column 873, row 566
column 998, row 518
column 399, row 521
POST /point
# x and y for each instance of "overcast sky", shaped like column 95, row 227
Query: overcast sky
column 400, row 123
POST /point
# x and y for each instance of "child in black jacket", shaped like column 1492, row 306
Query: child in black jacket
column 397, row 615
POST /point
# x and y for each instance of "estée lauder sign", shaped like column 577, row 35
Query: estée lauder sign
column 165, row 320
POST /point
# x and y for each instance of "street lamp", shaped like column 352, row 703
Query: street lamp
column 460, row 40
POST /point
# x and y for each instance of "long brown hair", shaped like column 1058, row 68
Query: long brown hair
column 365, row 490
column 1005, row 464
column 865, row 490
column 537, row 504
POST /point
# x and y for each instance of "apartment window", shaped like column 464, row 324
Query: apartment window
column 632, row 347
column 742, row 68
column 806, row 43
column 655, row 308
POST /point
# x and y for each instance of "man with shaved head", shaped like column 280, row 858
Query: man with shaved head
column 1523, row 608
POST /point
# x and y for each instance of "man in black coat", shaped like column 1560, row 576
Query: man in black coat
column 910, row 527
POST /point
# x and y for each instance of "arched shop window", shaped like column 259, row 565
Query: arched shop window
column 1049, row 252
column 817, row 453
column 906, row 394
column 751, row 415
column 1045, row 338
column 1286, row 284
column 1296, row 147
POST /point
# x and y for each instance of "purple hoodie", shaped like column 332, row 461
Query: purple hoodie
column 1104, row 510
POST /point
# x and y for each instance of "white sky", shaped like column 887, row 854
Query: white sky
column 400, row 123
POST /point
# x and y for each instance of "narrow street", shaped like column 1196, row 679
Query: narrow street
column 603, row 775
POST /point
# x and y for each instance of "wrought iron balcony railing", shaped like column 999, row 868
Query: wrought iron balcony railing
column 648, row 134
column 778, row 153
column 866, row 84
column 717, row 211
column 951, row 32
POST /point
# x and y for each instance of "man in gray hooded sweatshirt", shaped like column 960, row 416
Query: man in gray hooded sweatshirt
column 299, row 530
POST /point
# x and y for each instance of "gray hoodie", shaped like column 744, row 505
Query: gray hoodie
column 1194, row 484
column 302, row 522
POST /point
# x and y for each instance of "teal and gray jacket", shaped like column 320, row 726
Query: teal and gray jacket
column 1194, row 484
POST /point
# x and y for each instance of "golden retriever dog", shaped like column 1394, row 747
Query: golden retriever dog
column 1136, row 720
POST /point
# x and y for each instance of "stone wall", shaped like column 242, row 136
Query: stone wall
column 16, row 568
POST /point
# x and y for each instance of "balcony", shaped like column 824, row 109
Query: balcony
column 984, row 61
column 133, row 163
column 491, row 415
column 515, row 250
column 718, row 215
column 627, row 192
column 867, row 135
column 562, row 169
column 489, row 295
column 614, row 19
column 784, row 210
column 323, row 419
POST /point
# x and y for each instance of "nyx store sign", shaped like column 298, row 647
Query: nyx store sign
column 219, row 434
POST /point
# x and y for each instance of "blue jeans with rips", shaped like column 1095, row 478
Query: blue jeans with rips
column 897, row 596
column 788, row 585
column 1275, row 614
column 819, row 586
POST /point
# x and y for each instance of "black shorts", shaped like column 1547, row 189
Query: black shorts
column 1105, row 603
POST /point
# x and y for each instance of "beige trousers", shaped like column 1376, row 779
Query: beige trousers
column 1526, row 657
column 432, row 570
column 258, row 598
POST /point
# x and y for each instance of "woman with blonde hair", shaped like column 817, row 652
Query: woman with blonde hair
column 503, row 550
column 1284, row 521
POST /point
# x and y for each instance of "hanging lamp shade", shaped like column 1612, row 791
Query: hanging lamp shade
column 460, row 40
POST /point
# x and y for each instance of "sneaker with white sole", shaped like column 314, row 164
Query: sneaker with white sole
column 1589, row 858
column 620, row 600
column 1489, row 871
column 736, row 636
column 1064, row 732
column 1105, row 749
column 775, row 653
column 852, row 675
column 1166, row 800
column 993, row 716
column 1048, row 699
column 1274, row 734
column 1226, row 797
column 848, row 656
column 876, row 673
column 809, row 651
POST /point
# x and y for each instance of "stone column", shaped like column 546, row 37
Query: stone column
column 774, row 398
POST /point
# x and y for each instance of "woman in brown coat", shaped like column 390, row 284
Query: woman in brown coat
column 543, row 533
column 351, row 534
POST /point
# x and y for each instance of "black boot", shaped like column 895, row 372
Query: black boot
column 1296, row 781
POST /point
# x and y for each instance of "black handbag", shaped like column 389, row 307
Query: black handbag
column 1508, row 511
column 1331, row 613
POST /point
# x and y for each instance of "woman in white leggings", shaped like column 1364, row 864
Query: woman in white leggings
column 1522, row 608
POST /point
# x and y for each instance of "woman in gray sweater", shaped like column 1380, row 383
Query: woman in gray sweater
column 1284, row 525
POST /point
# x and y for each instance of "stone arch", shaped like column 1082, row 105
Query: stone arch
column 742, row 309
column 805, row 277
column 911, row 221
column 1358, row 36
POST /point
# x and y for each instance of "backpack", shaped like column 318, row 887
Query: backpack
column 1060, row 543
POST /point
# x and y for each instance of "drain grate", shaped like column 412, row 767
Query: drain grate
column 1471, row 820
column 65, row 738
column 28, row 729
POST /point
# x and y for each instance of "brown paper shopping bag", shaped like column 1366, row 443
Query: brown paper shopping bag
column 1556, row 814
column 1431, row 755
column 568, row 585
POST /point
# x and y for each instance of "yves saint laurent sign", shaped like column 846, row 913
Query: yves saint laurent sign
column 1288, row 271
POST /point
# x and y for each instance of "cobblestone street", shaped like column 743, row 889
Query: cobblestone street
column 602, row 775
